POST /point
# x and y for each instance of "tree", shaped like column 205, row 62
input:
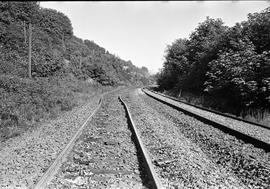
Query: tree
column 176, row 66
column 257, row 28
column 56, row 24
column 241, row 76
column 92, row 46
column 203, row 47
column 14, row 16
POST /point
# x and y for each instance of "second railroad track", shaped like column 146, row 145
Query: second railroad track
column 255, row 134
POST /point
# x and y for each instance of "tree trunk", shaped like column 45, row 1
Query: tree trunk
column 24, row 32
column 180, row 93
column 30, row 51
column 49, row 43
column 80, row 59
column 63, row 42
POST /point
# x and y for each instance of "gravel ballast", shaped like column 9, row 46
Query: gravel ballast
column 105, row 155
column 257, row 132
column 186, row 152
column 248, row 163
column 25, row 158
column 179, row 162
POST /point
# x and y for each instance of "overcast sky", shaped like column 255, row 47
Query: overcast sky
column 140, row 31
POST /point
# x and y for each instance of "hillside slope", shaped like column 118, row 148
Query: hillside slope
column 66, row 70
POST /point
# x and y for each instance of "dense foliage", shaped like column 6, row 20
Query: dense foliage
column 228, row 62
column 54, row 48
column 63, row 65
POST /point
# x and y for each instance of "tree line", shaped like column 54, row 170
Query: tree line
column 55, row 49
column 232, row 63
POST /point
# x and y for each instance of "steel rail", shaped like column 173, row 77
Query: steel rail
column 48, row 175
column 147, row 160
column 246, row 138
column 52, row 170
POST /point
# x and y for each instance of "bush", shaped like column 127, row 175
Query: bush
column 24, row 102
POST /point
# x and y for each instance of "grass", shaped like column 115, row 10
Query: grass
column 218, row 104
column 24, row 102
column 258, row 116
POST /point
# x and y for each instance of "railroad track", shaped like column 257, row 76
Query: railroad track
column 110, row 151
column 253, row 133
column 147, row 160
column 83, row 140
column 51, row 171
column 61, row 157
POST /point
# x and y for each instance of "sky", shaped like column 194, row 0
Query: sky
column 141, row 31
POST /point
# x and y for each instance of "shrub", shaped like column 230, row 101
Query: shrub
column 24, row 102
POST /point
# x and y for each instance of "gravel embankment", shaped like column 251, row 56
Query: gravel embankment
column 104, row 156
column 258, row 132
column 179, row 162
column 25, row 158
column 250, row 165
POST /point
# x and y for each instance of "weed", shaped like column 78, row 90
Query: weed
column 24, row 102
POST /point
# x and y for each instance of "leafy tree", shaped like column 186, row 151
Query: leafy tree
column 92, row 46
column 257, row 27
column 176, row 66
column 55, row 24
column 12, row 17
column 229, row 74
column 47, row 63
column 242, row 76
column 203, row 47
column 18, row 11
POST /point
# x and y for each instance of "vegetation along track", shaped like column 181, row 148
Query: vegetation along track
column 258, row 135
column 246, row 162
column 108, row 154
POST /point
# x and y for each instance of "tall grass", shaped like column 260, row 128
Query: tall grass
column 258, row 116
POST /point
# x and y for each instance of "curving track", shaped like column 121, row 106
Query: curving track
column 256, row 134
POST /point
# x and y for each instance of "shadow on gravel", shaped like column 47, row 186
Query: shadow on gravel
column 146, row 179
